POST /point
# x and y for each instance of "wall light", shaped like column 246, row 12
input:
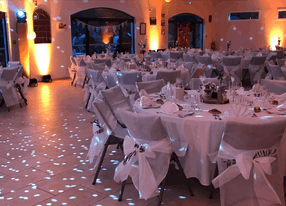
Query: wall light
column 32, row 35
column 167, row 1
column 21, row 16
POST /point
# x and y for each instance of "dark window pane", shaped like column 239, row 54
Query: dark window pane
column 282, row 15
column 243, row 16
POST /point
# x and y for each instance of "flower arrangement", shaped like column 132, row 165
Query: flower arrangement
column 222, row 73
column 228, row 43
column 142, row 44
column 209, row 87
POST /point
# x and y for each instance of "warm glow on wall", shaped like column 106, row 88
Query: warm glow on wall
column 42, row 54
column 32, row 35
column 273, row 37
column 153, row 39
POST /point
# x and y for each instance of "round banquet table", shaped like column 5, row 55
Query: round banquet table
column 202, row 132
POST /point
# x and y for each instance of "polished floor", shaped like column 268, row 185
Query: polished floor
column 43, row 149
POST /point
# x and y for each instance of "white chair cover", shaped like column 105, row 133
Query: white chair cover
column 147, row 152
column 106, row 61
column 116, row 100
column 165, row 56
column 151, row 86
column 7, row 80
column 176, row 55
column 110, row 81
column 189, row 58
column 155, row 55
column 168, row 76
column 256, row 68
column 80, row 75
column 275, row 86
column 276, row 72
column 245, row 156
column 205, row 60
column 281, row 62
column 196, row 82
column 110, row 127
column 234, row 67
column 127, row 80
column 13, row 63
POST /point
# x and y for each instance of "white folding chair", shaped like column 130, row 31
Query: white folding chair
column 276, row 72
column 234, row 67
column 168, row 76
column 148, row 152
column 151, row 86
column 250, row 149
column 256, row 68
column 127, row 81
column 275, row 86
column 107, row 132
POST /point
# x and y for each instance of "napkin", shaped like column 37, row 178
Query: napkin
column 238, row 111
column 257, row 88
column 281, row 109
column 281, row 97
column 240, row 91
column 143, row 93
column 181, row 68
column 248, row 55
column 205, row 55
column 112, row 70
column 146, row 102
column 169, row 108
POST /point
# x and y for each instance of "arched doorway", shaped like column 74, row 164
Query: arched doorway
column 187, row 30
column 93, row 30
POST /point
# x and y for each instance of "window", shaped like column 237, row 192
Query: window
column 243, row 16
column 3, row 41
column 42, row 26
column 281, row 14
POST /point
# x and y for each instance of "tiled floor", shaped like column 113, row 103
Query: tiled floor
column 43, row 149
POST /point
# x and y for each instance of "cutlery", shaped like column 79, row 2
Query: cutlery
column 214, row 116
column 218, row 117
column 254, row 115
column 185, row 115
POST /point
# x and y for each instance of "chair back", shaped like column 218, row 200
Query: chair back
column 207, row 60
column 129, row 78
column 168, row 76
column 281, row 62
column 176, row 55
column 275, row 71
column 189, row 58
column 275, row 86
column 280, row 54
column 199, row 72
column 94, row 75
column 256, row 133
column 155, row 55
column 13, row 63
column 257, row 60
column 106, row 61
column 151, row 86
column 9, row 73
column 116, row 100
column 231, row 61
column 109, row 80
column 144, row 127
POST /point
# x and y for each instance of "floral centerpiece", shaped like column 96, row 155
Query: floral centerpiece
column 142, row 44
column 209, row 88
column 228, row 44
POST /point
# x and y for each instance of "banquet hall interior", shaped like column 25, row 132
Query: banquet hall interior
column 142, row 102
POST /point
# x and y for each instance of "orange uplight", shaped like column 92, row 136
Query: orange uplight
column 45, row 99
column 153, row 39
column 273, row 37
column 42, row 54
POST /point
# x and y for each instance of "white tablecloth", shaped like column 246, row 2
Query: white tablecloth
column 203, row 134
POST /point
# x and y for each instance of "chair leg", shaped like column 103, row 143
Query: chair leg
column 20, row 105
column 73, row 79
column 121, row 191
column 212, row 187
column 176, row 159
column 163, row 184
column 84, row 81
column 100, row 162
column 88, row 100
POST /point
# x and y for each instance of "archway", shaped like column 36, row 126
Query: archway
column 186, row 30
column 94, row 29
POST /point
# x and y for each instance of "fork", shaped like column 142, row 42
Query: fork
column 185, row 115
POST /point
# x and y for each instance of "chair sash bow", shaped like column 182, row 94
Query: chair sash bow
column 143, row 177
column 264, row 191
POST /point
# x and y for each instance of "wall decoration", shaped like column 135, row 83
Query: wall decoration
column 162, row 22
column 163, row 15
column 142, row 28
column 162, row 31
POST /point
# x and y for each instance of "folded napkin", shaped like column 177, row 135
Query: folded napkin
column 240, row 91
column 112, row 70
column 181, row 68
column 238, row 111
column 257, row 88
column 281, row 109
column 146, row 102
column 281, row 97
column 143, row 93
column 169, row 108
column 205, row 55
